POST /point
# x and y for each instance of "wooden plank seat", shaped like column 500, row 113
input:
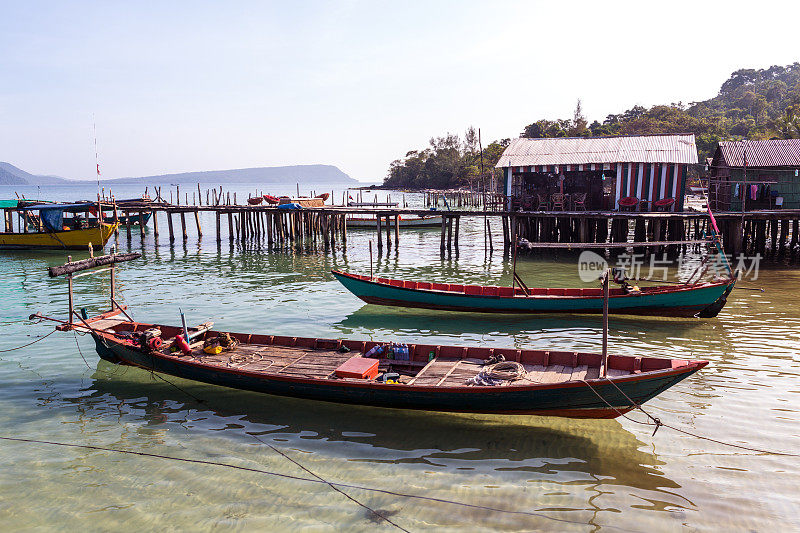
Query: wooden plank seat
column 446, row 370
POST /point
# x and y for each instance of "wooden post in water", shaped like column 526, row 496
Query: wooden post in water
column 128, row 225
column 116, row 221
column 230, row 226
column 444, row 231
column 197, row 221
column 489, row 233
column 69, row 289
column 449, row 233
column 141, row 224
column 183, row 225
column 605, row 322
column 169, row 226
column 155, row 223
column 380, row 237
column 217, row 215
column 397, row 231
column 388, row 233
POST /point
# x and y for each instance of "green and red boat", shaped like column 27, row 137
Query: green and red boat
column 701, row 299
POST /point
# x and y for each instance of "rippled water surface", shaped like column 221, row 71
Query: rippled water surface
column 533, row 472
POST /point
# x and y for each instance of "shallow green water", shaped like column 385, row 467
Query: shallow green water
column 577, row 475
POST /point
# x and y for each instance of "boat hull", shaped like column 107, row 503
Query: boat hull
column 682, row 302
column 427, row 222
column 130, row 220
column 77, row 239
column 596, row 398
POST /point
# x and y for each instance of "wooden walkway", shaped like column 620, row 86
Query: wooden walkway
column 772, row 234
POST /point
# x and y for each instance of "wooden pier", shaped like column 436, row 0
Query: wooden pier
column 772, row 234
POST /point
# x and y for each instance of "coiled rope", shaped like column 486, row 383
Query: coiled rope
column 505, row 370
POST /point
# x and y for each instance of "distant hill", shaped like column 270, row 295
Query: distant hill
column 299, row 173
column 11, row 175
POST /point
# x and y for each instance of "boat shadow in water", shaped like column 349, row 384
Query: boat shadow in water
column 386, row 319
column 524, row 448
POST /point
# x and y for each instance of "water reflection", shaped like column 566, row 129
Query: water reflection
column 505, row 448
column 450, row 322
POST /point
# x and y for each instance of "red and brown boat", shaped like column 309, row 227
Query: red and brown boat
column 417, row 376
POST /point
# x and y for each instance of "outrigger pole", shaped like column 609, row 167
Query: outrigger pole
column 69, row 269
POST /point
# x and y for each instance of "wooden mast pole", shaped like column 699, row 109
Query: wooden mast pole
column 69, row 286
column 514, row 260
column 605, row 322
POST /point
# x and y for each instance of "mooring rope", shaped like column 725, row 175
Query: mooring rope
column 306, row 479
column 658, row 423
column 26, row 345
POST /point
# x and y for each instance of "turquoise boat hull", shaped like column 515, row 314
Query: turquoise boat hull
column 702, row 300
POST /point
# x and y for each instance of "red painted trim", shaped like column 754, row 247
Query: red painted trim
column 561, row 293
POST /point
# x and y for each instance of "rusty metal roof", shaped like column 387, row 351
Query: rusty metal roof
column 773, row 153
column 678, row 148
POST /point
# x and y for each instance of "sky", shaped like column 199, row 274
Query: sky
column 188, row 86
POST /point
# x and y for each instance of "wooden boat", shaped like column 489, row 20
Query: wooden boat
column 359, row 221
column 324, row 196
column 302, row 201
column 700, row 299
column 49, row 229
column 434, row 377
column 255, row 201
column 130, row 220
column 423, row 376
column 271, row 199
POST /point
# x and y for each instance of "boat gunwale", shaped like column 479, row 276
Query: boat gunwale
column 646, row 291
column 689, row 366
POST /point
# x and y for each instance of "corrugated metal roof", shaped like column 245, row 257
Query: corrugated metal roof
column 583, row 150
column 773, row 153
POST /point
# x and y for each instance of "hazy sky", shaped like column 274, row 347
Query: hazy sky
column 182, row 86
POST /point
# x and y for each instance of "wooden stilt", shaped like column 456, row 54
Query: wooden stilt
column 169, row 226
column 197, row 221
column 183, row 225
column 444, row 232
column 380, row 237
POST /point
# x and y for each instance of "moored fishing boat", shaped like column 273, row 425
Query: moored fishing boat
column 416, row 376
column 44, row 226
column 703, row 299
column 130, row 220
column 406, row 221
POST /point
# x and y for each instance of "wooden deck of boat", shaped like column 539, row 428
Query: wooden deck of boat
column 321, row 364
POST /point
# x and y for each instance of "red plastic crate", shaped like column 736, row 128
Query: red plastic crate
column 358, row 367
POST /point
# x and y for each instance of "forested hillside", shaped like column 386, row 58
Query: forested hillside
column 751, row 104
